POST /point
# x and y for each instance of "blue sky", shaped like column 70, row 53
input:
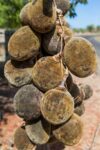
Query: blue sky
column 86, row 15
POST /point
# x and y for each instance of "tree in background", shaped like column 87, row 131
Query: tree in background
column 9, row 11
column 98, row 28
column 74, row 3
column 91, row 28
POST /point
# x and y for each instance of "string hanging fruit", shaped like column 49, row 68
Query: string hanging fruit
column 41, row 51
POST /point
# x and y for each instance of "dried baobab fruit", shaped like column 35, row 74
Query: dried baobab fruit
column 48, row 72
column 69, row 82
column 57, row 106
column 70, row 133
column 38, row 131
column 80, row 57
column 41, row 15
column 21, row 140
column 52, row 40
column 63, row 20
column 17, row 75
column 87, row 90
column 76, row 94
column 79, row 110
column 64, row 5
column 24, row 44
column 24, row 14
column 27, row 102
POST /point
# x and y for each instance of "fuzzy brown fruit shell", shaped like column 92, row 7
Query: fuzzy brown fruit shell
column 24, row 14
column 77, row 94
column 21, row 140
column 52, row 40
column 87, row 90
column 41, row 15
column 79, row 110
column 24, row 44
column 80, row 57
column 57, row 106
column 27, row 102
column 17, row 76
column 64, row 5
column 69, row 82
column 70, row 133
column 48, row 73
column 39, row 131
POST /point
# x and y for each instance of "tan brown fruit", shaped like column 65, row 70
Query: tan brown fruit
column 61, row 88
column 17, row 75
column 69, row 82
column 80, row 57
column 52, row 140
column 48, row 72
column 24, row 44
column 21, row 140
column 24, row 14
column 41, row 15
column 70, row 133
column 79, row 110
column 57, row 106
column 63, row 20
column 87, row 90
column 52, row 40
column 68, row 33
column 77, row 94
column 64, row 5
column 27, row 102
column 39, row 131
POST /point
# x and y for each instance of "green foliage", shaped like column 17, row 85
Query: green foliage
column 10, row 9
column 91, row 28
column 98, row 28
column 79, row 30
column 74, row 3
column 9, row 13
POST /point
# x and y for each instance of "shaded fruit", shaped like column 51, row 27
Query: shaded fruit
column 67, row 31
column 41, row 15
column 87, row 90
column 52, row 140
column 63, row 20
column 76, row 94
column 24, row 44
column 39, row 131
column 52, row 40
column 69, row 82
column 27, row 102
column 48, row 72
column 57, row 106
column 79, row 110
column 64, row 5
column 70, row 133
column 21, row 140
column 80, row 57
column 24, row 14
column 17, row 75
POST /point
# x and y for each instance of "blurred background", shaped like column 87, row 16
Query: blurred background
column 84, row 18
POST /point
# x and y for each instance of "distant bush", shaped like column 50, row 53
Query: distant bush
column 9, row 13
column 91, row 28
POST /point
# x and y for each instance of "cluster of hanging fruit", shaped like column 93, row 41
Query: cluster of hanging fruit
column 44, row 53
